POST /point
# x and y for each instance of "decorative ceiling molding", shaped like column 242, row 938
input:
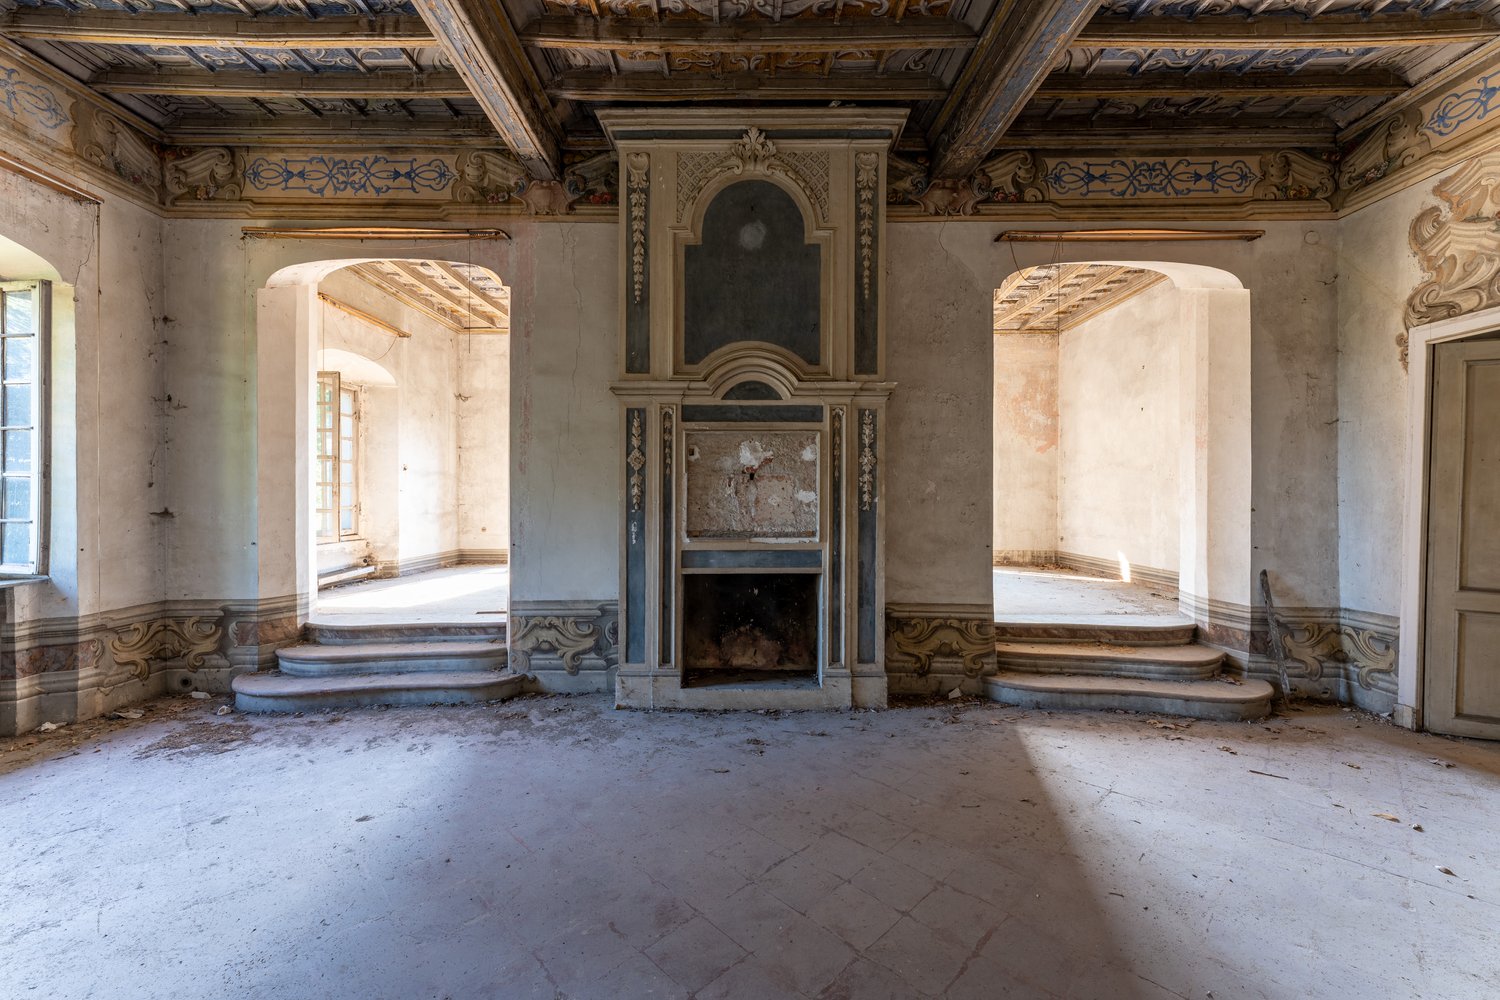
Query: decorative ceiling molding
column 1246, row 31
column 221, row 84
column 219, row 30
column 1054, row 298
column 743, row 35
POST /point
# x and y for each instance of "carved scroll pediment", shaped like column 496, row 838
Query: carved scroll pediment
column 754, row 154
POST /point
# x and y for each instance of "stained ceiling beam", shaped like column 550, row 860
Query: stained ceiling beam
column 1230, row 85
column 587, row 85
column 617, row 34
column 480, row 40
column 1325, row 31
column 1019, row 46
column 314, row 85
column 103, row 28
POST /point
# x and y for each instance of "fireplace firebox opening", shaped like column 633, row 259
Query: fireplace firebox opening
column 746, row 627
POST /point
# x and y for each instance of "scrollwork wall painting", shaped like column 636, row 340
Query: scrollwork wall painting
column 1455, row 244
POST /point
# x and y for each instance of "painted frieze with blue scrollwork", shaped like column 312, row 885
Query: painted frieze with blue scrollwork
column 342, row 175
column 30, row 100
column 1463, row 106
column 1137, row 178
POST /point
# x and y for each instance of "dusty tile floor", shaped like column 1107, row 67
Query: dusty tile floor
column 1040, row 593
column 457, row 594
column 557, row 848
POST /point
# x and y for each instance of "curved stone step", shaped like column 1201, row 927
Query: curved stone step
column 312, row 660
column 1177, row 663
column 1124, row 630
column 275, row 692
column 347, row 635
column 1213, row 699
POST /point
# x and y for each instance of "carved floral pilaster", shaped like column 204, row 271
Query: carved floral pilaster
column 866, row 177
column 637, row 185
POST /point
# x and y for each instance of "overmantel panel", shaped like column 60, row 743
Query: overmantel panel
column 831, row 163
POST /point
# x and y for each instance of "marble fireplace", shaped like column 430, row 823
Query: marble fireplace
column 752, row 392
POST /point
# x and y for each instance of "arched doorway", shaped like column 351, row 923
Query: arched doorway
column 1122, row 471
column 385, row 443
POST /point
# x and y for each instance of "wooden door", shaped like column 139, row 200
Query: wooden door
column 1462, row 661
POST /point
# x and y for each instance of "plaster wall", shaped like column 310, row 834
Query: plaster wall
column 109, row 409
column 1120, row 434
column 484, row 446
column 1377, row 271
column 937, row 492
column 565, row 465
column 1026, row 445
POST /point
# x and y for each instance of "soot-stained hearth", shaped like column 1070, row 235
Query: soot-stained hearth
column 746, row 626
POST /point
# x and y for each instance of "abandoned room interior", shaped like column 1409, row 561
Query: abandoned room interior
column 710, row 499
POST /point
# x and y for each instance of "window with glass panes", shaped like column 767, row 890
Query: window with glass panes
column 23, row 353
column 337, row 434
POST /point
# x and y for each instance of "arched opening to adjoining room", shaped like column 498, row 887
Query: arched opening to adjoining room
column 398, row 408
column 1122, row 441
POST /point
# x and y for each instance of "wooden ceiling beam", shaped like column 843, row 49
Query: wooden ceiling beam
column 480, row 40
column 1018, row 48
column 1229, row 85
column 1325, row 31
column 197, row 83
column 588, row 85
column 618, row 34
column 219, row 30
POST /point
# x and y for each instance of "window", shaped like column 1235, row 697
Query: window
column 338, row 458
column 24, row 330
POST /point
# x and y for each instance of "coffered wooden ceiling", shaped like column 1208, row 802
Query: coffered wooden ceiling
column 462, row 297
column 1053, row 298
column 977, row 75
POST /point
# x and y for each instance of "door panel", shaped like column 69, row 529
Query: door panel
column 1462, row 656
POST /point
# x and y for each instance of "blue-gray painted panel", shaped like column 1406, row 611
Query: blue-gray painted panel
column 756, row 559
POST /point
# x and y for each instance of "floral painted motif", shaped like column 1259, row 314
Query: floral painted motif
column 1133, row 178
column 1464, row 106
column 30, row 100
column 323, row 175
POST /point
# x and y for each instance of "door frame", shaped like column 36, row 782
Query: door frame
column 1411, row 680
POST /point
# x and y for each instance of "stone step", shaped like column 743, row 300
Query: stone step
column 346, row 635
column 314, row 660
column 276, row 692
column 1124, row 630
column 1220, row 700
column 1174, row 663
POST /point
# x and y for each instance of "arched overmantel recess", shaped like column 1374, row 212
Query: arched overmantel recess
column 756, row 270
column 752, row 276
